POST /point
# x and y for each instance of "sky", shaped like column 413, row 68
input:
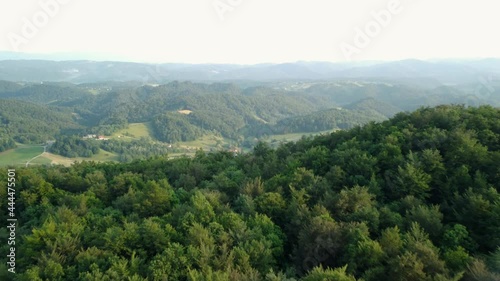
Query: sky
column 252, row 31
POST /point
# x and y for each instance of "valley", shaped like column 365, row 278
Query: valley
column 133, row 120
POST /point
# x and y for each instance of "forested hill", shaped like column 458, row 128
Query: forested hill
column 371, row 104
column 26, row 122
column 177, row 111
column 326, row 119
column 412, row 198
column 183, row 111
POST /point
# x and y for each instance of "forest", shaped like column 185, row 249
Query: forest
column 31, row 123
column 414, row 197
column 223, row 109
column 34, row 113
column 231, row 110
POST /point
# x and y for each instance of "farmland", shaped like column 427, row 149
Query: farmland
column 20, row 155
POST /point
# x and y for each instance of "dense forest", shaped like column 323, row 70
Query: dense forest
column 31, row 123
column 6, row 143
column 136, row 149
column 74, row 146
column 174, row 127
column 411, row 198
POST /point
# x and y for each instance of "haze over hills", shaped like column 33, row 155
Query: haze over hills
column 428, row 73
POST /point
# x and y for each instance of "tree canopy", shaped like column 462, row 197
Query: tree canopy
column 411, row 198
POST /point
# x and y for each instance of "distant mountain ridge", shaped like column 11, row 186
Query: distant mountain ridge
column 85, row 71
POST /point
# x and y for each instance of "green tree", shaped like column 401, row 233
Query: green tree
column 320, row 274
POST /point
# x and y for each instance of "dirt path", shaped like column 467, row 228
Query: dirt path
column 44, row 150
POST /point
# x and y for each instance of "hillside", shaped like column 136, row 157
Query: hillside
column 47, row 93
column 371, row 104
column 238, row 116
column 412, row 198
column 221, row 108
column 26, row 122
column 8, row 86
column 327, row 120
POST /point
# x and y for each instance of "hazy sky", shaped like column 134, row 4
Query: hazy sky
column 253, row 31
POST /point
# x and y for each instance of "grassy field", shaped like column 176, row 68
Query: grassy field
column 206, row 142
column 179, row 155
column 295, row 136
column 58, row 159
column 276, row 139
column 134, row 130
column 20, row 155
column 23, row 153
column 102, row 156
column 40, row 161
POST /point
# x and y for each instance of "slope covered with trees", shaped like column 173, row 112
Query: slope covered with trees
column 26, row 122
column 48, row 93
column 73, row 146
column 412, row 198
column 371, row 104
column 327, row 120
column 234, row 111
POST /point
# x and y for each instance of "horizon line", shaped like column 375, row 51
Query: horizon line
column 96, row 57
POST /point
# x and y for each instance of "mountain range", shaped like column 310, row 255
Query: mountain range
column 37, row 68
